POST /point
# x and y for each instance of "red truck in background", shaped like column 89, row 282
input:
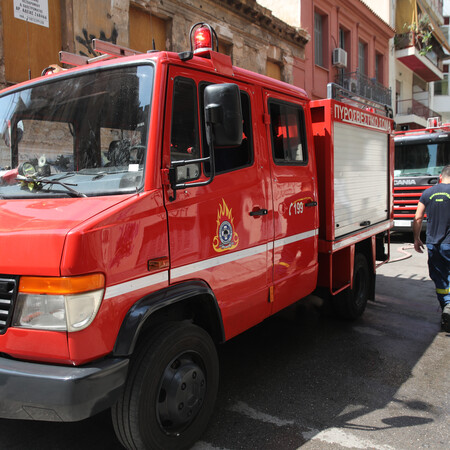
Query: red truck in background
column 155, row 205
column 420, row 156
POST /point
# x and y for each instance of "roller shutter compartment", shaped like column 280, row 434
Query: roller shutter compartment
column 360, row 178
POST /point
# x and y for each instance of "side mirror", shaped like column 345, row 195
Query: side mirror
column 223, row 118
column 223, row 114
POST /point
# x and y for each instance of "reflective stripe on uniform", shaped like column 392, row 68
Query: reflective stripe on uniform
column 443, row 291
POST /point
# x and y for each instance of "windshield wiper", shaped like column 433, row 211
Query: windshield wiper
column 102, row 174
column 56, row 181
column 65, row 185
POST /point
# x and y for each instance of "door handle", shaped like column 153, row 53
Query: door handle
column 311, row 204
column 259, row 212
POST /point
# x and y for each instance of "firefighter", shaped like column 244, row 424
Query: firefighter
column 435, row 201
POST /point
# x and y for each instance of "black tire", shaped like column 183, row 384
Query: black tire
column 351, row 303
column 170, row 391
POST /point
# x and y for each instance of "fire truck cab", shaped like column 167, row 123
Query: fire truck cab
column 420, row 156
column 155, row 205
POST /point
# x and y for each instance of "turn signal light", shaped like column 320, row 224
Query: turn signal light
column 61, row 285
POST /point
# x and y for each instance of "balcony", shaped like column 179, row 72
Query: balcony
column 412, row 53
column 413, row 113
column 363, row 86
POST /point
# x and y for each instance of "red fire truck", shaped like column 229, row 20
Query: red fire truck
column 158, row 204
column 420, row 156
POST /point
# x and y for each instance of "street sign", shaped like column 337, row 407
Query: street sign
column 34, row 11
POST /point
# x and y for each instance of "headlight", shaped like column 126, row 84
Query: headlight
column 40, row 311
column 60, row 304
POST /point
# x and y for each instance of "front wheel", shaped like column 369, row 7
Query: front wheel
column 351, row 303
column 171, row 390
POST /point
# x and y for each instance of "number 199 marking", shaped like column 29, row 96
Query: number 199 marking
column 296, row 208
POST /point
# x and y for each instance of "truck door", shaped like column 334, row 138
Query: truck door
column 294, row 198
column 221, row 232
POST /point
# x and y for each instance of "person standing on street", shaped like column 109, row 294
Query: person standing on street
column 435, row 201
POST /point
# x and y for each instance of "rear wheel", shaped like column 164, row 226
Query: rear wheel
column 171, row 390
column 351, row 303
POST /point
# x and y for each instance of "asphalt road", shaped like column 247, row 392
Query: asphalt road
column 300, row 380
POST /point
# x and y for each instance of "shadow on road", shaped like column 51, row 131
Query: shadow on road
column 317, row 373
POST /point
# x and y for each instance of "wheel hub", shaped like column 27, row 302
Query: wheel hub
column 181, row 394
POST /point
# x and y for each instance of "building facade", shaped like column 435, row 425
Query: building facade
column 441, row 92
column 247, row 31
column 420, row 59
column 420, row 51
column 348, row 25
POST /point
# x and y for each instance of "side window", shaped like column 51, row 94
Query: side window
column 237, row 157
column 288, row 133
column 184, row 137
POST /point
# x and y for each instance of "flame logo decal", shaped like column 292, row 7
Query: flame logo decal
column 226, row 238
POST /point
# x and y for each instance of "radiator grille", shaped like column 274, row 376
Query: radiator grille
column 8, row 293
column 406, row 200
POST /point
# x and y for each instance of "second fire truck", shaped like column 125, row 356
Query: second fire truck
column 420, row 156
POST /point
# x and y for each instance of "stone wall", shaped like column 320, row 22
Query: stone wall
column 250, row 33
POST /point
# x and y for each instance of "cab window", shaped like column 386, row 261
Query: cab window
column 236, row 157
column 288, row 133
column 228, row 159
column 184, row 139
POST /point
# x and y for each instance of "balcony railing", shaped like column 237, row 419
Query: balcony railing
column 412, row 39
column 366, row 87
column 414, row 107
column 405, row 40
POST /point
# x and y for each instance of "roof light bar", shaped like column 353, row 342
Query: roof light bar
column 433, row 122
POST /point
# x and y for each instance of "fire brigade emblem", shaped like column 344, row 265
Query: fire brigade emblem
column 226, row 238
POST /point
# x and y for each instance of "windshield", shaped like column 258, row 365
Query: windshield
column 421, row 159
column 84, row 135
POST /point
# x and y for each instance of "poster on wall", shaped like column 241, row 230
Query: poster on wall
column 33, row 11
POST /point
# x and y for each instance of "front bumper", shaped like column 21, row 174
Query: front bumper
column 405, row 225
column 35, row 391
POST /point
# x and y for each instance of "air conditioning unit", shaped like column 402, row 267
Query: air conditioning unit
column 339, row 58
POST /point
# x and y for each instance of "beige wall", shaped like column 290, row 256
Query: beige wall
column 381, row 8
column 405, row 77
column 252, row 36
column 286, row 10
